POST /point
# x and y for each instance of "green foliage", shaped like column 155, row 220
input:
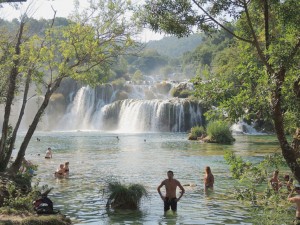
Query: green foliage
column 237, row 165
column 149, row 62
column 175, row 47
column 18, row 200
column 239, row 82
column 196, row 132
column 125, row 197
column 137, row 76
column 175, row 92
column 219, row 132
column 256, row 173
column 185, row 94
column 266, row 206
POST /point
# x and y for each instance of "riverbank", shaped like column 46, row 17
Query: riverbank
column 25, row 219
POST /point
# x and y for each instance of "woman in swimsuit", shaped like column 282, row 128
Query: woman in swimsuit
column 208, row 178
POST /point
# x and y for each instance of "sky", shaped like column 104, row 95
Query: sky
column 42, row 9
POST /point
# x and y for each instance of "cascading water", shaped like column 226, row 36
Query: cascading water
column 101, row 109
column 130, row 115
column 243, row 128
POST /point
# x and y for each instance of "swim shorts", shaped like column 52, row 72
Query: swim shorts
column 170, row 203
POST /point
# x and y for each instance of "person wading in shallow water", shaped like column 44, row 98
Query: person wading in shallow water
column 170, row 199
column 296, row 199
column 209, row 179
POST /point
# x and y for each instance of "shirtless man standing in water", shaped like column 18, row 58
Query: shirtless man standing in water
column 296, row 199
column 170, row 199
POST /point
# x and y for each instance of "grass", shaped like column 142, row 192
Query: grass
column 35, row 220
column 219, row 132
column 125, row 197
column 196, row 132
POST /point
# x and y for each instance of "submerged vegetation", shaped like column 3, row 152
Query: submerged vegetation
column 122, row 196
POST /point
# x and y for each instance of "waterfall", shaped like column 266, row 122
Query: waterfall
column 243, row 128
column 80, row 114
column 131, row 115
column 127, row 108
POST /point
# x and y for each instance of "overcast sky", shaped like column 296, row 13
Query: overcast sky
column 42, row 9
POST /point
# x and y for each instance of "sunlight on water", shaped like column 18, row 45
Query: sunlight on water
column 96, row 158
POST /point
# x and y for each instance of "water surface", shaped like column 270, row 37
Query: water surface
column 97, row 157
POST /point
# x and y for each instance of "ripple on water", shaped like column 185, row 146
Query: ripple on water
column 95, row 158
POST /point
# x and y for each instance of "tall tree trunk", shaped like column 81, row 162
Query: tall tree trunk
column 288, row 151
column 11, row 92
column 18, row 161
column 4, row 162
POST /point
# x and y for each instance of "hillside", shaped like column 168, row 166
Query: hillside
column 175, row 47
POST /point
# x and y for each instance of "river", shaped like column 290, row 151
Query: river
column 98, row 157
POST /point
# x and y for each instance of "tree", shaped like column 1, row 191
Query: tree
column 268, row 29
column 82, row 50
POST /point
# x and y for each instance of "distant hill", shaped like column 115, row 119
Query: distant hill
column 175, row 47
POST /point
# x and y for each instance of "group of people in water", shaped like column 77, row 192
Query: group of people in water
column 170, row 200
column 294, row 195
column 63, row 169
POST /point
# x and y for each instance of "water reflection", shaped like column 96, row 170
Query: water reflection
column 97, row 157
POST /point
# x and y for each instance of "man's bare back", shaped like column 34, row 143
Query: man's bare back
column 296, row 200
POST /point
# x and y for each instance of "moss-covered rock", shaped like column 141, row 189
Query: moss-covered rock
column 34, row 220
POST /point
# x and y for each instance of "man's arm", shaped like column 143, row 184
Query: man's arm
column 182, row 191
column 158, row 190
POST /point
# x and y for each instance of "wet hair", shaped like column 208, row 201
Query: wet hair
column 66, row 163
column 170, row 171
column 207, row 169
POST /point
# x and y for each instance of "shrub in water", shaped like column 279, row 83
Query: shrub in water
column 219, row 132
column 125, row 197
column 196, row 132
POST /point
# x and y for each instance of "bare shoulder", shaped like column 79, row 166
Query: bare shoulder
column 164, row 181
column 295, row 199
column 177, row 181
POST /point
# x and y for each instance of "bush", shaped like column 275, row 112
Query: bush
column 265, row 205
column 196, row 132
column 185, row 94
column 19, row 201
column 219, row 132
column 175, row 92
column 125, row 197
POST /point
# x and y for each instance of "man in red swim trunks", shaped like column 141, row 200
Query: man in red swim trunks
column 170, row 199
